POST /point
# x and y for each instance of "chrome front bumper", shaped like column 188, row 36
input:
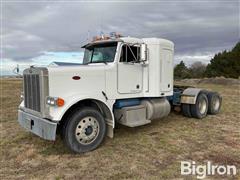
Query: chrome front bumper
column 39, row 126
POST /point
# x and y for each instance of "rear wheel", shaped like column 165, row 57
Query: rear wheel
column 200, row 108
column 186, row 110
column 215, row 102
column 85, row 130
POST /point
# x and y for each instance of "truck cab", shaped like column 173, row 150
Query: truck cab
column 122, row 79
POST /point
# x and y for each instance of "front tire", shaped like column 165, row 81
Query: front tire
column 85, row 130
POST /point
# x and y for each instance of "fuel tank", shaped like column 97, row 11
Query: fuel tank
column 156, row 108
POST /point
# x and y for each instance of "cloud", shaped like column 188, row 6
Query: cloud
column 8, row 65
column 198, row 29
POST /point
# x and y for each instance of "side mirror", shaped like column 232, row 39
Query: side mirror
column 16, row 70
column 143, row 53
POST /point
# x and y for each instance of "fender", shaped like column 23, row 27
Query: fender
column 189, row 95
column 57, row 112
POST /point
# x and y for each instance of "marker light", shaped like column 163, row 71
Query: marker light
column 22, row 96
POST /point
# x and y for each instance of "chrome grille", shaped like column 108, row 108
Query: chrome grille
column 32, row 91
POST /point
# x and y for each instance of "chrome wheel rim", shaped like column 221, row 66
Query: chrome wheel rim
column 216, row 103
column 87, row 130
column 202, row 106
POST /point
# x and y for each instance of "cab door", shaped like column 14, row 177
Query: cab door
column 130, row 71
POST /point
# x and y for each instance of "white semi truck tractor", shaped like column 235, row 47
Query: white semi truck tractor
column 122, row 80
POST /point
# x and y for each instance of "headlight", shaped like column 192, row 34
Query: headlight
column 51, row 101
column 55, row 101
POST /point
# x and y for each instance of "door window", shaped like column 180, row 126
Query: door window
column 130, row 53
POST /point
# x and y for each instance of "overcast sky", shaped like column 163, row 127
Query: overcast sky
column 42, row 31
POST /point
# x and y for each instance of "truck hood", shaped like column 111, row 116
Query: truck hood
column 63, row 84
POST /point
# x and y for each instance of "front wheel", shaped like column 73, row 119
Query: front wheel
column 85, row 130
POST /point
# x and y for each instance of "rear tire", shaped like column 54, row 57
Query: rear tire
column 84, row 130
column 214, row 103
column 186, row 110
column 200, row 108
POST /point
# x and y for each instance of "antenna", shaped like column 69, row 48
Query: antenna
column 100, row 27
column 88, row 35
column 102, row 34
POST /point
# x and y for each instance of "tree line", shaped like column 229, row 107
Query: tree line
column 226, row 64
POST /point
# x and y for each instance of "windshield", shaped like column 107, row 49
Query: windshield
column 100, row 53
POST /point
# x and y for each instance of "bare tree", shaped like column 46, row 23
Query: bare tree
column 197, row 69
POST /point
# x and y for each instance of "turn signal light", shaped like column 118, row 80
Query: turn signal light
column 60, row 102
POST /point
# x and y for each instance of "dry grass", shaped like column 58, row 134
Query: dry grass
column 153, row 151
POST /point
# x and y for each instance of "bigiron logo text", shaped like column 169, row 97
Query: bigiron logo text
column 208, row 169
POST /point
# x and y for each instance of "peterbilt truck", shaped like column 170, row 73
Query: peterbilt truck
column 121, row 80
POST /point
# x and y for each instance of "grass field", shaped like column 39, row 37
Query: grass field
column 153, row 151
